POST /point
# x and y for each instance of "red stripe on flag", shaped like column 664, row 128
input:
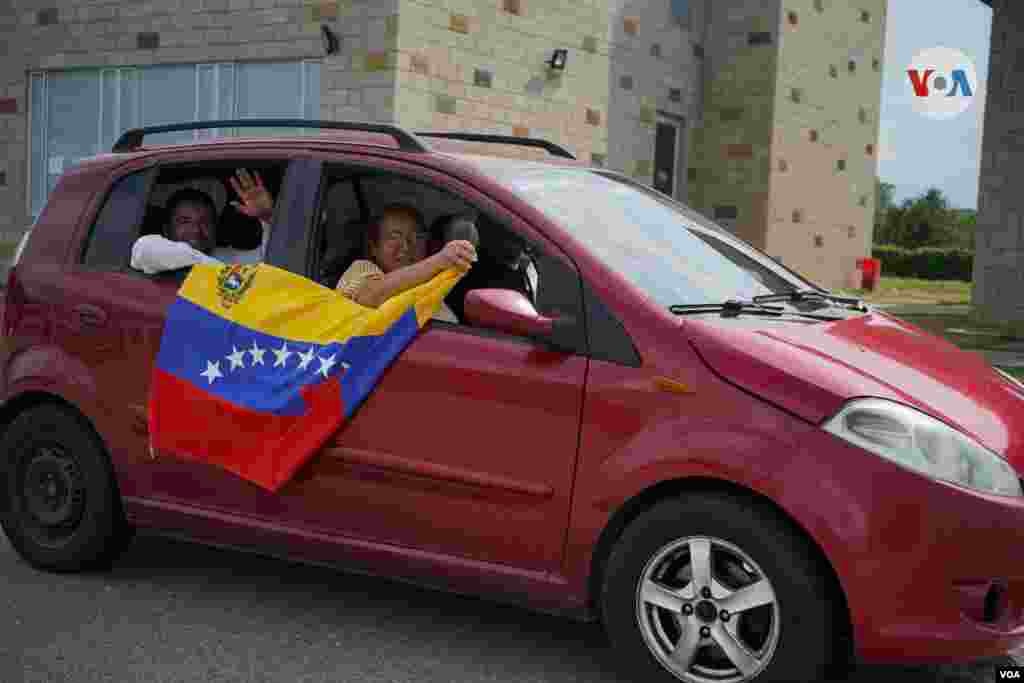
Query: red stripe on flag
column 263, row 448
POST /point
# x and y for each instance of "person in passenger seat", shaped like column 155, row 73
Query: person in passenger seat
column 190, row 233
column 387, row 268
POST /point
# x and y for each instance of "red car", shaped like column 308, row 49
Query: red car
column 741, row 475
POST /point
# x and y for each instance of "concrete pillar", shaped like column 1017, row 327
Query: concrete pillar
column 999, row 253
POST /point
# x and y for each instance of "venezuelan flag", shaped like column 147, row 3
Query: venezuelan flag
column 258, row 366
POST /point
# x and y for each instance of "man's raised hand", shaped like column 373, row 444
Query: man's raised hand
column 256, row 200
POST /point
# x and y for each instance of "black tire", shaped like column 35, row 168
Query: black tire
column 59, row 504
column 807, row 638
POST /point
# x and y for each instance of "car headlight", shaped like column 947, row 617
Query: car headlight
column 910, row 438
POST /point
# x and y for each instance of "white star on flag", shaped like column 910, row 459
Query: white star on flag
column 257, row 354
column 212, row 371
column 282, row 355
column 237, row 358
column 326, row 364
column 307, row 358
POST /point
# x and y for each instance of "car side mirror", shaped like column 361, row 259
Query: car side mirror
column 506, row 310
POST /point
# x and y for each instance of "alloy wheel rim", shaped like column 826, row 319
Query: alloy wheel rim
column 707, row 611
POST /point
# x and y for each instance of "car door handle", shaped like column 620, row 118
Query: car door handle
column 88, row 315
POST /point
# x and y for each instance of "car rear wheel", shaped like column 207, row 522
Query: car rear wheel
column 58, row 503
column 710, row 588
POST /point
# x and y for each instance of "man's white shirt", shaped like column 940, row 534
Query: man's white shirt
column 156, row 254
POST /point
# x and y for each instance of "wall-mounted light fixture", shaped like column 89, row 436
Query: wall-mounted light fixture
column 558, row 59
column 329, row 39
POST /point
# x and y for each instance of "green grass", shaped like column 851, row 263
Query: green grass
column 899, row 290
column 941, row 307
column 1016, row 372
column 7, row 251
column 961, row 330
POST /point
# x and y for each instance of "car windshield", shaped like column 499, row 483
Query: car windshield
column 671, row 256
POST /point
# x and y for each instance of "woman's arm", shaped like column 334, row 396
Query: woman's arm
column 375, row 291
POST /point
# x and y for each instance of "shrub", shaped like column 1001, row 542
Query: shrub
column 927, row 263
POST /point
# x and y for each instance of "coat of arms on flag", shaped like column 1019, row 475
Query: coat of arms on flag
column 258, row 366
column 233, row 281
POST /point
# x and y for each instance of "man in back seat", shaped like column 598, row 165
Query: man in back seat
column 190, row 235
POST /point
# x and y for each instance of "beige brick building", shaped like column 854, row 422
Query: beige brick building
column 730, row 105
column 786, row 156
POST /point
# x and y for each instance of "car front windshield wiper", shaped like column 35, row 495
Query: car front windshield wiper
column 732, row 307
column 812, row 295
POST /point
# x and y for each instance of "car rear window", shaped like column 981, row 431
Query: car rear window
column 110, row 242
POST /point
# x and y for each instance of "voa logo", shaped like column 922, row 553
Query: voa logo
column 942, row 82
column 1009, row 675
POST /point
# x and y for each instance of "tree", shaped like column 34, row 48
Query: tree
column 883, row 194
column 885, row 231
column 929, row 220
column 967, row 224
column 925, row 220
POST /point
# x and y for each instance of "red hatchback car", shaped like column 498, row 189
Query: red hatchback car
column 741, row 475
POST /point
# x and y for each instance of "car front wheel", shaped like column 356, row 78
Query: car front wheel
column 713, row 588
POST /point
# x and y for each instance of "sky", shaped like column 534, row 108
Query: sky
column 915, row 152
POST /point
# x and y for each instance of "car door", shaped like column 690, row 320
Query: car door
column 111, row 319
column 467, row 446
column 104, row 317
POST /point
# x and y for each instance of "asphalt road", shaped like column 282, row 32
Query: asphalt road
column 170, row 611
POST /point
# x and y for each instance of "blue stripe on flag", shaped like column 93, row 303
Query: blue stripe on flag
column 220, row 357
column 371, row 356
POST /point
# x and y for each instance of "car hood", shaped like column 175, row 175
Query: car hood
column 811, row 370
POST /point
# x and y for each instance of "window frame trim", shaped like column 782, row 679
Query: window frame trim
column 29, row 166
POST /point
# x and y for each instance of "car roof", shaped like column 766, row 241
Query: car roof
column 463, row 152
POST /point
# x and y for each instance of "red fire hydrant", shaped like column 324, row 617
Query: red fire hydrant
column 871, row 271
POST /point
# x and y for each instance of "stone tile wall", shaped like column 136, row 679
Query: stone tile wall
column 999, row 255
column 825, row 136
column 729, row 168
column 480, row 65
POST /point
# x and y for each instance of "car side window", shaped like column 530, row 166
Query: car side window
column 137, row 206
column 507, row 260
column 352, row 198
column 109, row 244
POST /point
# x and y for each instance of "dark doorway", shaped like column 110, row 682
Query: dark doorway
column 666, row 156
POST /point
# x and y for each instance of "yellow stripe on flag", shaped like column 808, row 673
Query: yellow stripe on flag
column 278, row 302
